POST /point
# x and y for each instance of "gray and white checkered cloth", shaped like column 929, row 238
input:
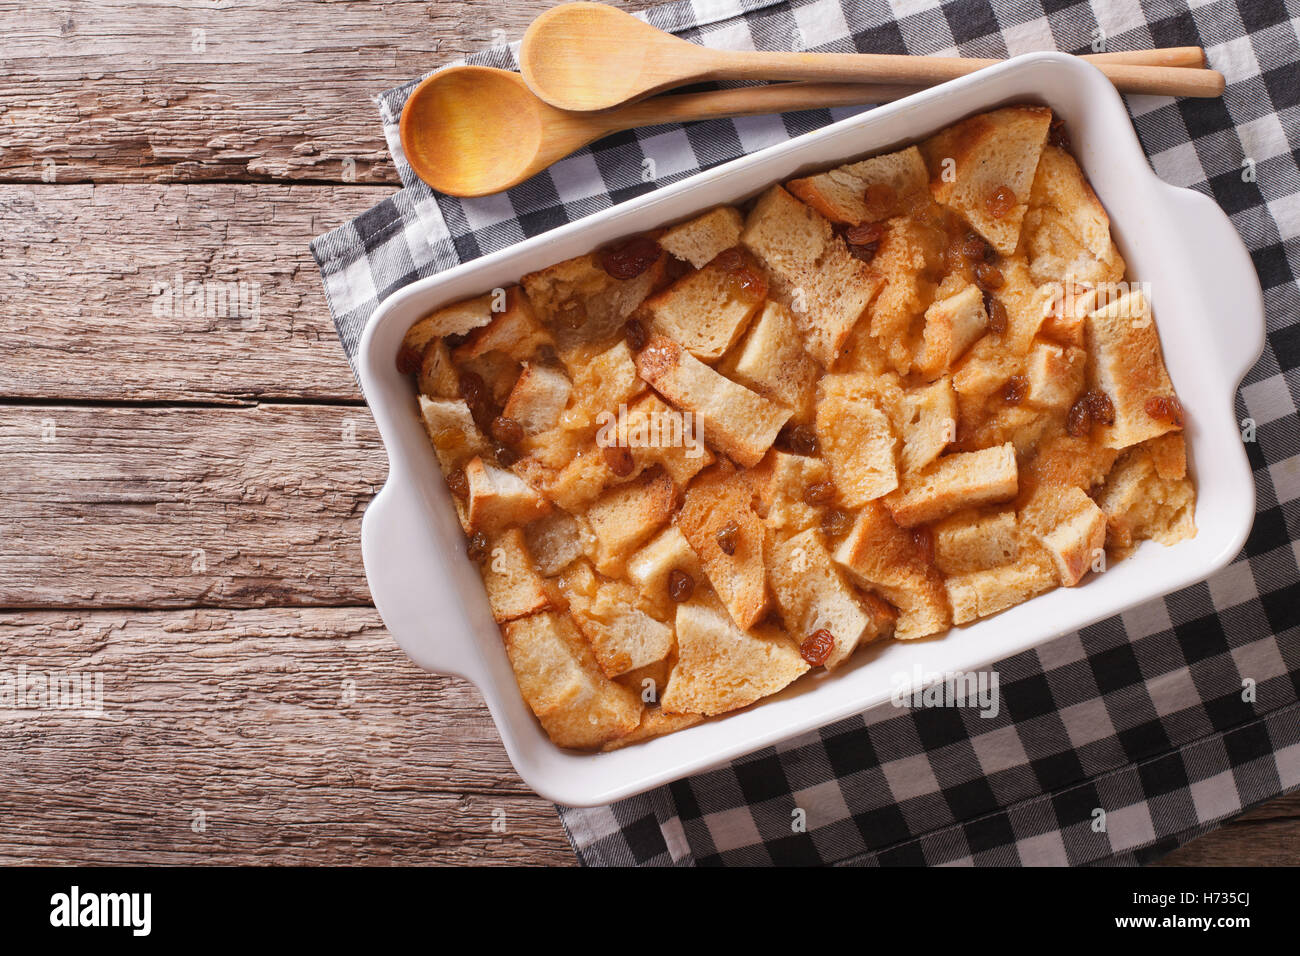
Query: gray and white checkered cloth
column 1141, row 716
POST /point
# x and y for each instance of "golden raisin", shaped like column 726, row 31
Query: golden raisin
column 1078, row 421
column 1000, row 201
column 1015, row 390
column 726, row 537
column 819, row 493
column 800, row 439
column 865, row 233
column 1165, row 408
column 619, row 459
column 975, row 247
column 1100, row 407
column 817, row 646
column 505, row 455
column 408, row 360
column 836, row 522
column 472, row 388
column 1056, row 134
column 507, row 430
column 458, row 483
column 988, row 277
column 680, row 585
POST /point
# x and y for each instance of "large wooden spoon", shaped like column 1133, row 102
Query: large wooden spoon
column 588, row 56
column 473, row 130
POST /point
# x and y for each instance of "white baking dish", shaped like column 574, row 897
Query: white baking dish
column 1210, row 313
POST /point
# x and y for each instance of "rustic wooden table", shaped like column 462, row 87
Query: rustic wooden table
column 181, row 496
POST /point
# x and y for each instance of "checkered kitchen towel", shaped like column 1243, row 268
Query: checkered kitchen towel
column 1142, row 715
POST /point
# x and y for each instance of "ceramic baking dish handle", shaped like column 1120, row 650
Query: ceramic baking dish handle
column 1217, row 260
column 419, row 612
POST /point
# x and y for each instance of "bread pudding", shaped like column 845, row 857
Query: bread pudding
column 870, row 404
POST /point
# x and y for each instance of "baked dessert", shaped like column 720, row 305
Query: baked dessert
column 870, row 404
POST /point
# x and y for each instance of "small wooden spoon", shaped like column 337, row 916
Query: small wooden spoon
column 473, row 130
column 587, row 56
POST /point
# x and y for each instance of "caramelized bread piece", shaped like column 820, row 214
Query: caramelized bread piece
column 538, row 398
column 515, row 331
column 772, row 361
column 1069, row 526
column 622, row 635
column 952, row 324
column 872, row 190
column 499, row 498
column 699, row 240
column 514, row 587
column 707, row 310
column 1141, row 503
column 718, row 520
column 954, row 482
column 623, row 517
column 974, row 541
column 655, row 722
column 459, row 318
column 721, row 667
column 1066, row 230
column 858, row 443
column 981, row 593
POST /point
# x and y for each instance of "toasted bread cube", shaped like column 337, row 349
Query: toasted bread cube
column 555, row 541
column 812, row 272
column 499, row 498
column 773, row 363
column 579, row 482
column 858, row 443
column 577, row 705
column 929, row 423
column 951, row 325
column 737, row 421
column 908, row 257
column 1140, row 503
column 623, row 637
column 580, row 303
column 699, row 240
column 1067, row 306
column 979, row 594
column 705, row 311
column 538, row 398
column 514, row 587
column 721, row 667
column 437, row 377
column 1066, row 229
column 964, row 480
column 497, row 370
column 812, row 594
column 1066, row 461
column 668, row 551
column 970, row 161
column 879, row 554
column 872, row 190
column 459, row 318
column 650, row 681
column 601, row 384
column 623, row 517
column 452, row 432
column 1069, row 526
column 654, row 723
column 1055, row 375
column 972, row 541
column 781, row 481
column 515, row 331
column 655, row 433
column 1129, row 367
column 722, row 498
column 1168, row 455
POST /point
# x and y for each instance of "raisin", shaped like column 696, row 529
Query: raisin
column 997, row 313
column 819, row 493
column 800, row 439
column 988, row 277
column 744, row 276
column 472, row 388
column 1100, row 407
column 458, row 483
column 507, row 430
column 627, row 260
column 505, row 455
column 836, row 522
column 1165, row 408
column 1078, row 421
column 680, row 585
column 408, row 360
column 974, row 247
column 1015, row 390
column 1000, row 201
column 619, row 459
column 923, row 538
column 864, row 234
column 1056, row 134
column 817, row 646
column 635, row 333
column 478, row 547
column 726, row 537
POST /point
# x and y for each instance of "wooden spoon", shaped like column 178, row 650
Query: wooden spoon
column 587, row 56
column 473, row 130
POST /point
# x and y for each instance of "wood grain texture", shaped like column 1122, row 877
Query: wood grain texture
column 292, row 736
column 128, row 91
column 179, row 507
column 85, row 280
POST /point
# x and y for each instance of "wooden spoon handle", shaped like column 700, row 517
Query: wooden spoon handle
column 750, row 101
column 1188, row 56
column 927, row 70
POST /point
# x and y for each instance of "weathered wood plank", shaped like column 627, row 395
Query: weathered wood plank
column 180, row 507
column 128, row 91
column 287, row 736
column 86, row 274
column 1273, row 842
